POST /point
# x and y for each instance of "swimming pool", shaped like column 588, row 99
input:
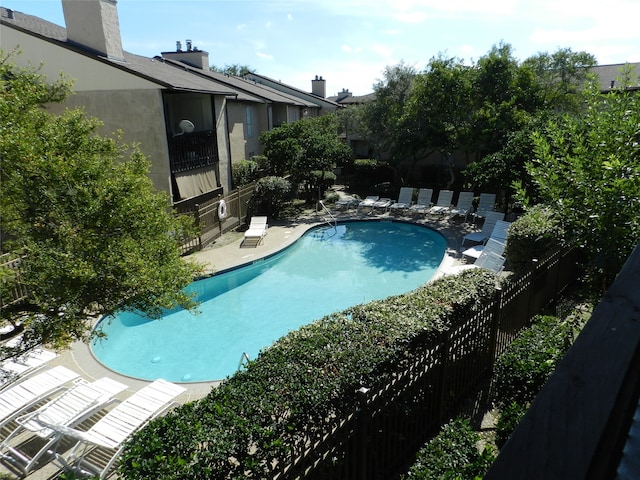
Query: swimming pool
column 246, row 309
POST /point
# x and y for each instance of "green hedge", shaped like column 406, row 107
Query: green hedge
column 301, row 386
column 524, row 367
column 532, row 236
column 452, row 454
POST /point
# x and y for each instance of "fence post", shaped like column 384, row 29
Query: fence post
column 363, row 434
column 496, row 322
column 197, row 222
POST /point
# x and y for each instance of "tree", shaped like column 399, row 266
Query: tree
column 236, row 70
column 305, row 149
column 439, row 108
column 587, row 168
column 561, row 76
column 81, row 212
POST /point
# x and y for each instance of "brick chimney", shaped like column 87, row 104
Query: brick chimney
column 192, row 56
column 93, row 24
column 319, row 87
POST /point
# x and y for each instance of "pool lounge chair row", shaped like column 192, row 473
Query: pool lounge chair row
column 424, row 205
column 49, row 406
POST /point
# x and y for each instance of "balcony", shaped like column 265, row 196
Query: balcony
column 193, row 150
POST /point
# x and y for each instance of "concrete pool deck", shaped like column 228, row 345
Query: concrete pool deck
column 228, row 252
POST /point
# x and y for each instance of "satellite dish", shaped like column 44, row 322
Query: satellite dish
column 186, row 126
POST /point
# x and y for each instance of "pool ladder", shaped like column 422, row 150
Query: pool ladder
column 333, row 222
column 244, row 360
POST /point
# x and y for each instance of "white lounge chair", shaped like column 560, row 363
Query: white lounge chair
column 69, row 409
column 464, row 205
column 487, row 227
column 486, row 203
column 112, row 430
column 423, row 203
column 256, row 231
column 347, row 202
column 404, row 200
column 19, row 396
column 487, row 260
column 492, row 245
column 490, row 261
column 368, row 202
column 382, row 203
column 443, row 204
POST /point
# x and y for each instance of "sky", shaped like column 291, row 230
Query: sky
column 349, row 43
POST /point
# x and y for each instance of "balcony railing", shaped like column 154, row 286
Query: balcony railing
column 193, row 150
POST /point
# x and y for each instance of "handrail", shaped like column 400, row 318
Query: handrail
column 324, row 207
column 244, row 360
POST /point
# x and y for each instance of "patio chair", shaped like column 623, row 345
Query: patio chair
column 488, row 260
column 423, row 203
column 486, row 203
column 443, row 204
column 22, row 394
column 492, row 245
column 404, row 200
column 498, row 235
column 27, row 362
column 69, row 409
column 368, row 202
column 464, row 205
column 112, row 430
column 256, row 232
column 487, row 227
column 347, row 202
column 382, row 203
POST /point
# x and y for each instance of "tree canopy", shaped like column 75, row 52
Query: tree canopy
column 93, row 235
column 305, row 149
column 587, row 168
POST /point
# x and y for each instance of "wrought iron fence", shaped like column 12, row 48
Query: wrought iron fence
column 379, row 438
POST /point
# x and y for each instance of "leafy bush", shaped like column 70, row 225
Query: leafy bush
column 245, row 172
column 322, row 179
column 453, row 454
column 301, row 387
column 532, row 236
column 270, row 196
column 524, row 367
column 508, row 420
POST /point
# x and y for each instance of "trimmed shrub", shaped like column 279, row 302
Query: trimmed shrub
column 452, row 454
column 270, row 196
column 302, row 387
column 508, row 420
column 524, row 367
column 244, row 172
column 532, row 236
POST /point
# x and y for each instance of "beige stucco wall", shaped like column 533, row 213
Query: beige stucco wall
column 242, row 146
column 87, row 73
column 141, row 122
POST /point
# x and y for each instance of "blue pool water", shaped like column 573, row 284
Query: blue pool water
column 245, row 310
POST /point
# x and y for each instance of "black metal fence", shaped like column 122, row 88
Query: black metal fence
column 380, row 437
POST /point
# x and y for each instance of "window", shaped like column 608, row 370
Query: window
column 249, row 121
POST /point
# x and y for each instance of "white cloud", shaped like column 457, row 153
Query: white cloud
column 349, row 49
column 264, row 56
column 242, row 26
column 411, row 17
column 267, row 25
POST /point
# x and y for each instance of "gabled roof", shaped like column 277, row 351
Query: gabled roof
column 247, row 89
column 282, row 87
column 609, row 75
column 351, row 100
column 148, row 68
